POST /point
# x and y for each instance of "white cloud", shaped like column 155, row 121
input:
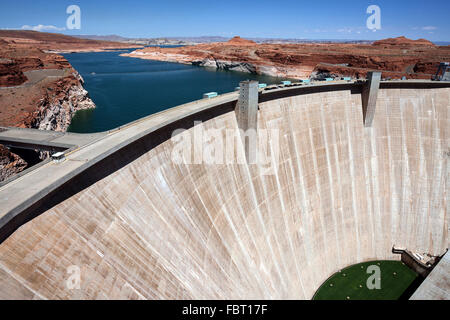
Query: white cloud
column 41, row 27
column 426, row 28
column 319, row 30
column 357, row 30
column 349, row 30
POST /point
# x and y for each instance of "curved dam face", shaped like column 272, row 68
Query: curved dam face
column 341, row 194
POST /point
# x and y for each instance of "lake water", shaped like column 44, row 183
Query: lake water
column 125, row 89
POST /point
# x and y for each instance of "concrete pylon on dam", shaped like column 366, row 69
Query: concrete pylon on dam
column 247, row 117
column 119, row 219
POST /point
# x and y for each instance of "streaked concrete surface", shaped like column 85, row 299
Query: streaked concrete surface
column 28, row 190
column 154, row 229
column 437, row 285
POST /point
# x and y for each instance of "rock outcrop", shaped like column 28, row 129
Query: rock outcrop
column 11, row 73
column 38, row 90
column 226, row 65
column 48, row 98
column 55, row 110
column 238, row 41
column 415, row 59
column 10, row 163
column 403, row 41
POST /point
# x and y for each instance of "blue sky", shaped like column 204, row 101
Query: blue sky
column 313, row 19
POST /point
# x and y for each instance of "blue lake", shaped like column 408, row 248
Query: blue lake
column 125, row 89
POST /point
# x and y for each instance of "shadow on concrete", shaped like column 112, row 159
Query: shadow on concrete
column 412, row 288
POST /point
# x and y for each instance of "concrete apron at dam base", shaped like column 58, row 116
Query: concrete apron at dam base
column 358, row 172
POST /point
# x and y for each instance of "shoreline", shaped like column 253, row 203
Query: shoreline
column 227, row 65
column 89, row 50
column 395, row 58
column 41, row 91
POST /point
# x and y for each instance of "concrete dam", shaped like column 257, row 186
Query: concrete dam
column 351, row 182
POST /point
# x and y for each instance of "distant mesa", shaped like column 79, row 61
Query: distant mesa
column 241, row 42
column 57, row 42
column 403, row 41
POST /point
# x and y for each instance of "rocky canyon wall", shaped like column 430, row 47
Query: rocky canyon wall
column 55, row 112
column 10, row 163
column 395, row 58
column 38, row 90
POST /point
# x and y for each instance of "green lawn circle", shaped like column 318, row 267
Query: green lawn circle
column 395, row 279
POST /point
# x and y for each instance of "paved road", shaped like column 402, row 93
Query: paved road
column 36, row 76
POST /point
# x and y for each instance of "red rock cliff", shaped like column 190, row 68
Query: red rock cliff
column 38, row 89
column 394, row 57
column 10, row 163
